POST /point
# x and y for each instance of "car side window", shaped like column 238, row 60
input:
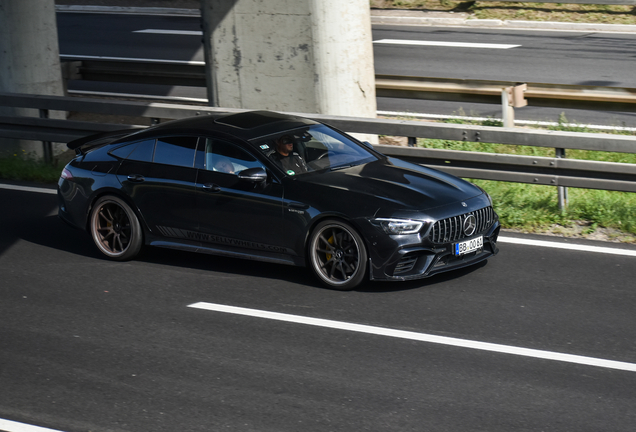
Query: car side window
column 178, row 150
column 123, row 151
column 138, row 151
column 228, row 158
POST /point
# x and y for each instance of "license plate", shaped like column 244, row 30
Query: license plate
column 469, row 246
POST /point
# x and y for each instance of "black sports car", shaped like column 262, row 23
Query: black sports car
column 278, row 188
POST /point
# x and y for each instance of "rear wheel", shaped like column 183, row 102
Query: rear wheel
column 115, row 229
column 337, row 255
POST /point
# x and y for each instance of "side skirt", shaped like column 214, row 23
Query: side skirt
column 242, row 254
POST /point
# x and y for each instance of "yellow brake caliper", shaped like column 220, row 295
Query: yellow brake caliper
column 330, row 241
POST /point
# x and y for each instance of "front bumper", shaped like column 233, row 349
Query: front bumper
column 420, row 260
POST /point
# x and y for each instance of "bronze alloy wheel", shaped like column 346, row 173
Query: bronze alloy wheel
column 337, row 255
column 115, row 229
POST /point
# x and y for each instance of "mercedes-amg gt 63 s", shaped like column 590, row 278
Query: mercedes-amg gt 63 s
column 278, row 188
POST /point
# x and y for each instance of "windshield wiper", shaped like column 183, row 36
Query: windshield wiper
column 349, row 165
column 339, row 167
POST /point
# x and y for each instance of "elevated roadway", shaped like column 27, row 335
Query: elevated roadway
column 550, row 56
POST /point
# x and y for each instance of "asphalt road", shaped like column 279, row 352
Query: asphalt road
column 583, row 58
column 88, row 344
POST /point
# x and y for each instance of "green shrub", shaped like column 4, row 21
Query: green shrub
column 25, row 168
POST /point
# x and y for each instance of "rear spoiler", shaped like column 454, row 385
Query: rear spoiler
column 81, row 145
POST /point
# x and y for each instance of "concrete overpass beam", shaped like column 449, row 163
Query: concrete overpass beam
column 29, row 60
column 310, row 56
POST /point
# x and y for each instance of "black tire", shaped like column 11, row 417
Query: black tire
column 337, row 255
column 115, row 229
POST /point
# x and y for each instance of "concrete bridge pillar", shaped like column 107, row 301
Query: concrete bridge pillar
column 29, row 59
column 308, row 56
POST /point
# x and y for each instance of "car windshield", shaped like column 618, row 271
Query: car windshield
column 313, row 148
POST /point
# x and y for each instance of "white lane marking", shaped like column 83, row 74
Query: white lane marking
column 445, row 44
column 421, row 337
column 174, row 32
column 576, row 247
column 190, row 62
column 12, row 426
column 28, row 189
column 502, row 239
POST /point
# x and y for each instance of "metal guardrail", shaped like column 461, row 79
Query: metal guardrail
column 487, row 91
column 525, row 169
column 461, row 90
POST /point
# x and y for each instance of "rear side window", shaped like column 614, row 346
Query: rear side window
column 175, row 151
column 138, row 151
column 123, row 151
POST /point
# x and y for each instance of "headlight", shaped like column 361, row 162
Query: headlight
column 398, row 226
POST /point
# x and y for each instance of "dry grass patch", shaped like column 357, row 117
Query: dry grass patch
column 559, row 12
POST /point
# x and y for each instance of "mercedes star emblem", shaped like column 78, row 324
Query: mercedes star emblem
column 470, row 224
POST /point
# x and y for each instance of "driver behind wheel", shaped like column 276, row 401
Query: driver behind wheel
column 287, row 158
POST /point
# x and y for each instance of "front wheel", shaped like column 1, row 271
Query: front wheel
column 115, row 229
column 337, row 255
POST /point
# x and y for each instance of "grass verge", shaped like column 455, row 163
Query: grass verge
column 556, row 12
column 595, row 214
column 29, row 169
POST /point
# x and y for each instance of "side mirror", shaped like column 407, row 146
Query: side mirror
column 368, row 144
column 255, row 175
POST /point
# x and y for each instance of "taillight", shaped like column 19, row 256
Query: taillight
column 66, row 174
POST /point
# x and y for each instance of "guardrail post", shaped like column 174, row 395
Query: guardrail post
column 507, row 111
column 47, row 147
column 562, row 190
column 512, row 97
column 412, row 142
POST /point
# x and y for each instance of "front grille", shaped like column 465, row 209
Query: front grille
column 451, row 229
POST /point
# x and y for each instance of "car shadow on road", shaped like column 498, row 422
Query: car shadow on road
column 52, row 232
column 227, row 265
column 292, row 274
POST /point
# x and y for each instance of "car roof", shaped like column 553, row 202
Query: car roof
column 246, row 125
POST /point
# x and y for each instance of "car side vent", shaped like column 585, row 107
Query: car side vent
column 451, row 229
column 405, row 265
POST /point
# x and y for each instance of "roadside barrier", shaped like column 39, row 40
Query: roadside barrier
column 554, row 171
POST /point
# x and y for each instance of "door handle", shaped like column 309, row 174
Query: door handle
column 136, row 178
column 211, row 187
column 298, row 206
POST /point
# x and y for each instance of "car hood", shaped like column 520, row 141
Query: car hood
column 391, row 183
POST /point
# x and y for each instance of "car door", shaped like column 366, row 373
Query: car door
column 159, row 176
column 235, row 214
